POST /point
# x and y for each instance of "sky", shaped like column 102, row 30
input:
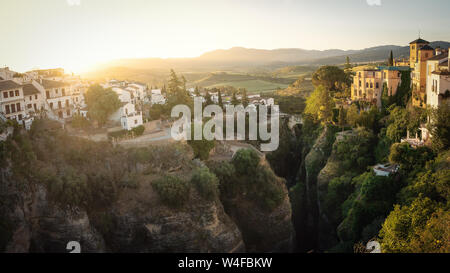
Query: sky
column 76, row 34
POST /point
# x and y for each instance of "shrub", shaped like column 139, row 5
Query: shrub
column 173, row 191
column 138, row 131
column 118, row 134
column 246, row 161
column 206, row 183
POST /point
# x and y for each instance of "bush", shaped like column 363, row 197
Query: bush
column 246, row 161
column 206, row 183
column 138, row 131
column 118, row 134
column 173, row 191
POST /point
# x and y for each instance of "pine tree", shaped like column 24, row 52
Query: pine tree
column 208, row 99
column 220, row 99
column 197, row 91
column 245, row 98
column 391, row 59
column 174, row 83
column 348, row 65
column 341, row 120
column 234, row 100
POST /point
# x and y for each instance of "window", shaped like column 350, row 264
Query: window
column 360, row 74
column 67, row 103
column 7, row 110
column 56, row 90
column 47, row 94
column 377, row 86
column 35, row 97
column 13, row 108
column 359, row 83
column 17, row 92
column 51, row 105
column 68, row 112
column 371, row 85
column 20, row 117
column 59, row 105
column 135, row 121
column 31, row 97
column 5, row 95
column 63, row 92
column 367, row 85
column 29, row 106
column 18, row 106
column 35, row 107
column 11, row 93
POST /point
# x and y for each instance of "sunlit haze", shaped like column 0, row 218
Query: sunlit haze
column 75, row 34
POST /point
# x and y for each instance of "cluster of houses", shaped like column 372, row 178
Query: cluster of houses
column 430, row 79
column 24, row 95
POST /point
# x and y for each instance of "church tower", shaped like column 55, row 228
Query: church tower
column 414, row 48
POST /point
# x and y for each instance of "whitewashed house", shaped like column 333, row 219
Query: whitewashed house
column 157, row 97
column 124, row 95
column 128, row 117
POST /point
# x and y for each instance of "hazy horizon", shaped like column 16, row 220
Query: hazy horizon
column 77, row 34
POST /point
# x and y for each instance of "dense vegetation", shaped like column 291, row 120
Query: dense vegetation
column 246, row 177
column 406, row 211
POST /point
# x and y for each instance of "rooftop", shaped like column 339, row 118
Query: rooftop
column 426, row 47
column 53, row 84
column 419, row 41
column 395, row 68
column 29, row 89
column 439, row 57
column 8, row 84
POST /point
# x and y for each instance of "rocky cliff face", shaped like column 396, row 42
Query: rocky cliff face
column 304, row 195
column 39, row 226
column 264, row 231
column 139, row 222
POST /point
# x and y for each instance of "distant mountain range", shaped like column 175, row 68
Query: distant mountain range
column 246, row 58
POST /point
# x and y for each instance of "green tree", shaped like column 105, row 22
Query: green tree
column 320, row 105
column 206, row 183
column 341, row 120
column 234, row 100
column 101, row 103
column 197, row 91
column 353, row 115
column 244, row 98
column 391, row 59
column 331, row 78
column 208, row 99
column 439, row 127
column 220, row 99
column 398, row 123
column 348, row 65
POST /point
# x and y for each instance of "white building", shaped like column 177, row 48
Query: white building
column 438, row 79
column 6, row 74
column 124, row 95
column 12, row 100
column 128, row 117
column 157, row 97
